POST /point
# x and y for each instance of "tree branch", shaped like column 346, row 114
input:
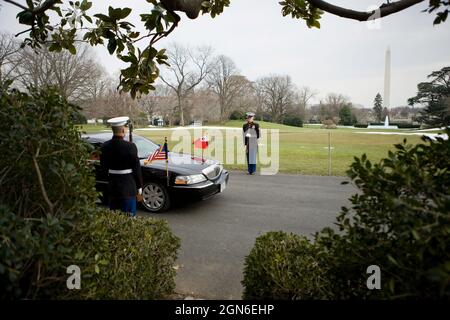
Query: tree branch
column 384, row 9
column 24, row 31
column 17, row 4
column 41, row 182
column 166, row 33
column 43, row 7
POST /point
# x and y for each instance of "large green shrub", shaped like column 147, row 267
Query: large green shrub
column 293, row 120
column 46, row 186
column 123, row 258
column 283, row 266
column 399, row 221
column 237, row 115
column 49, row 219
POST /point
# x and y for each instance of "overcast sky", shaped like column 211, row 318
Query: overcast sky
column 344, row 56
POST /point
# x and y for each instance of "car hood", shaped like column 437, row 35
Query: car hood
column 179, row 163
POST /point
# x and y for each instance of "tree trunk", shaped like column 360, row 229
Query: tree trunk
column 222, row 109
column 180, row 106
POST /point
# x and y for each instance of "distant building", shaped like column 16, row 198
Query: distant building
column 94, row 121
column 197, row 123
column 314, row 120
column 157, row 121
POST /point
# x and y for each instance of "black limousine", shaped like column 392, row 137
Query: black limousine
column 189, row 177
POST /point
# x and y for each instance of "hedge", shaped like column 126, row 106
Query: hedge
column 399, row 220
column 119, row 257
column 237, row 115
column 408, row 126
column 49, row 219
column 283, row 266
column 400, row 125
column 293, row 120
column 124, row 258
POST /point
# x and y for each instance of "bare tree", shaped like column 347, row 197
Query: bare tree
column 188, row 68
column 258, row 94
column 8, row 56
column 155, row 103
column 115, row 104
column 364, row 115
column 205, row 105
column 330, row 107
column 303, row 97
column 247, row 100
column 276, row 93
column 94, row 106
column 149, row 104
column 77, row 77
column 226, row 83
column 335, row 100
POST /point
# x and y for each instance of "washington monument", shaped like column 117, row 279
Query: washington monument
column 387, row 79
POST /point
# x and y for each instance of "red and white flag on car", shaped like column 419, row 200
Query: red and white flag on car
column 201, row 143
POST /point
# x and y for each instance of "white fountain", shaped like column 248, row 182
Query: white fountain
column 385, row 126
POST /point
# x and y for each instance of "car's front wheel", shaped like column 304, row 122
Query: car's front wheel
column 155, row 197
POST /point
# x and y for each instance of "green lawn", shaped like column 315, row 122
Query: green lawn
column 91, row 128
column 305, row 150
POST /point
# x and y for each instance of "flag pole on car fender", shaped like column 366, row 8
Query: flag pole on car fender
column 166, row 149
column 201, row 141
column 203, row 150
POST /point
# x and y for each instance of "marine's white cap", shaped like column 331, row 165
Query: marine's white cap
column 250, row 114
column 118, row 122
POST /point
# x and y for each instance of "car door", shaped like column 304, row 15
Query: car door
column 101, row 176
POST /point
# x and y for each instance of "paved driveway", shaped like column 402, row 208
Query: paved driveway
column 217, row 234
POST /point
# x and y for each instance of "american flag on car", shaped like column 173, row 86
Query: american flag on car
column 162, row 153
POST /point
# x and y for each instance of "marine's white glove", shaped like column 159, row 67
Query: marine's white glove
column 140, row 191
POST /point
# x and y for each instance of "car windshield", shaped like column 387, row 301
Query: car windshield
column 145, row 147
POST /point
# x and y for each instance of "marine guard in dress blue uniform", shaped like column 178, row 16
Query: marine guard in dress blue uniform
column 251, row 135
column 120, row 158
